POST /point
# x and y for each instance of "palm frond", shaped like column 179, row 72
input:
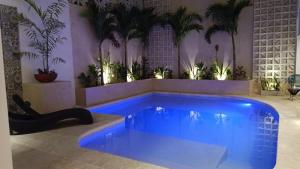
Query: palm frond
column 36, row 8
column 225, row 15
column 240, row 6
column 113, row 39
column 57, row 60
column 193, row 27
column 30, row 55
column 145, row 21
column 182, row 23
column 212, row 30
column 231, row 3
column 196, row 17
column 56, row 8
column 215, row 10
column 125, row 19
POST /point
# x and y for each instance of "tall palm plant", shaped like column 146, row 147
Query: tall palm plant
column 44, row 34
column 225, row 17
column 125, row 24
column 104, row 25
column 182, row 23
column 145, row 19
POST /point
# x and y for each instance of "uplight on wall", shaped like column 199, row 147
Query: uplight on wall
column 221, row 76
column 158, row 76
column 129, row 78
column 106, row 74
column 193, row 73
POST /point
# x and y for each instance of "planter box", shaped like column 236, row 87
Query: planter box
column 103, row 94
column 270, row 93
column 226, row 87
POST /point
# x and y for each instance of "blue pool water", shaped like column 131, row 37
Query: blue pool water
column 190, row 132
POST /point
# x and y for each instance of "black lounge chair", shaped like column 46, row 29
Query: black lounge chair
column 294, row 85
column 33, row 121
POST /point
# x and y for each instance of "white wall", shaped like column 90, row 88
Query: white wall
column 29, row 67
column 5, row 153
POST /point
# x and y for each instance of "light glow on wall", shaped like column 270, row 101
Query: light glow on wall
column 107, row 74
column 193, row 73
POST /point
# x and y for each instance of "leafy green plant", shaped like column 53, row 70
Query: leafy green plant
column 119, row 72
column 104, row 25
column 270, row 84
column 182, row 23
column 240, row 73
column 225, row 18
column 45, row 34
column 135, row 73
column 197, row 72
column 113, row 72
column 91, row 79
column 220, row 71
column 163, row 73
column 209, row 74
column 185, row 75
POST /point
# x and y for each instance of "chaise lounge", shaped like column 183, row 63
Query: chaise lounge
column 32, row 121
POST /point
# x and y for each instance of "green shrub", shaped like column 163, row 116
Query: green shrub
column 240, row 73
column 162, row 73
column 91, row 78
column 220, row 71
column 270, row 84
column 135, row 73
column 197, row 72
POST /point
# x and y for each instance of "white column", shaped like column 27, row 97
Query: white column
column 5, row 150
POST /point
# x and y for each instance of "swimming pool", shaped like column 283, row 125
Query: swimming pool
column 190, row 132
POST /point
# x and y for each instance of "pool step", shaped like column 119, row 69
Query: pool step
column 165, row 151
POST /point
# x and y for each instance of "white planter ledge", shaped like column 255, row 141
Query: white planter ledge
column 103, row 94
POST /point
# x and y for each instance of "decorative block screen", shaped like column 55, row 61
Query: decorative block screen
column 274, row 38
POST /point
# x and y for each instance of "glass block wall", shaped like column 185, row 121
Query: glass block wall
column 274, row 38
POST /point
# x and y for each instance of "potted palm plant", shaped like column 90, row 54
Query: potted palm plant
column 44, row 37
column 182, row 23
column 225, row 18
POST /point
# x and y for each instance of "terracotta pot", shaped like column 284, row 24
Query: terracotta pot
column 45, row 77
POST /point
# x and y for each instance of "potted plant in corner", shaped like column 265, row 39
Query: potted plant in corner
column 44, row 35
column 270, row 87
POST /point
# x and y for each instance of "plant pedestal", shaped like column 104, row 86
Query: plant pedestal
column 269, row 93
column 49, row 97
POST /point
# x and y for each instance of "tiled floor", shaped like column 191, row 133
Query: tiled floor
column 58, row 149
